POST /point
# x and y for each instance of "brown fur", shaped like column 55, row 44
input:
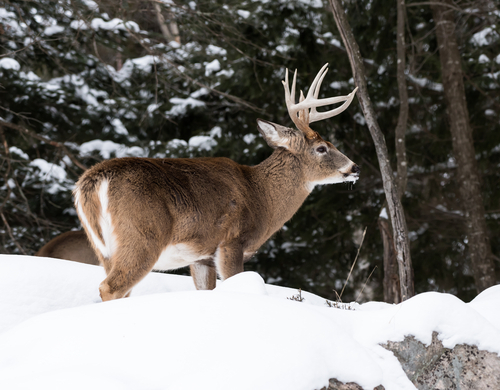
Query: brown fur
column 222, row 211
column 72, row 246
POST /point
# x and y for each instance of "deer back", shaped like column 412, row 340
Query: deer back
column 72, row 245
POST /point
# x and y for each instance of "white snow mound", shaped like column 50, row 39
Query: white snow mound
column 242, row 335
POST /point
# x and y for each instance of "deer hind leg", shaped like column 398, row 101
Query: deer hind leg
column 229, row 260
column 129, row 267
column 204, row 274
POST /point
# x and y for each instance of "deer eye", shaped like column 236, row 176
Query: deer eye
column 321, row 149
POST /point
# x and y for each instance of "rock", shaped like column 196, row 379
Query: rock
column 434, row 367
column 334, row 384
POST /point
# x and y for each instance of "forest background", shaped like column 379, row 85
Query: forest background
column 82, row 81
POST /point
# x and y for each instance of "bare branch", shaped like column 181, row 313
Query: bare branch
column 39, row 137
column 9, row 230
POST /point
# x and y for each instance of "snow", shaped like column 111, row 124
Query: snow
column 143, row 64
column 56, row 334
column 244, row 14
column 423, row 82
column 53, row 174
column 202, row 142
column 180, row 106
column 107, row 148
column 78, row 25
column 91, row 4
column 119, row 127
column 216, row 131
column 249, row 138
column 9, row 63
column 483, row 59
column 114, row 25
column 211, row 67
column 485, row 36
column 176, row 143
column 19, row 152
column 216, row 50
column 52, row 30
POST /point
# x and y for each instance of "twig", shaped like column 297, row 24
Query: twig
column 481, row 91
column 39, row 137
column 366, row 282
column 11, row 235
column 353, row 264
column 6, row 176
column 445, row 5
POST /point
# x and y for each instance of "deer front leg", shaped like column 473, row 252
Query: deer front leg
column 204, row 274
column 229, row 260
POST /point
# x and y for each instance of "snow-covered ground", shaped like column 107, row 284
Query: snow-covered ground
column 56, row 334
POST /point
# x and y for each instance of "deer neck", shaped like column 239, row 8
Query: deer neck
column 283, row 183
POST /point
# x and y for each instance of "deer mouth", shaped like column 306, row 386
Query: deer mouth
column 351, row 177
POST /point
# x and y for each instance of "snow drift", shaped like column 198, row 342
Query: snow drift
column 56, row 334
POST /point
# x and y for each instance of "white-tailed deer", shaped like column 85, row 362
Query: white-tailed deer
column 209, row 213
column 72, row 245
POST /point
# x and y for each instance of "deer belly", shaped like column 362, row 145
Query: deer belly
column 178, row 256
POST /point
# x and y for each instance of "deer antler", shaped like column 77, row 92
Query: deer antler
column 300, row 114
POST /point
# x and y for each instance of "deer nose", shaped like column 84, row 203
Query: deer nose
column 355, row 169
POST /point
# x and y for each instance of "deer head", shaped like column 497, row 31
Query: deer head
column 323, row 163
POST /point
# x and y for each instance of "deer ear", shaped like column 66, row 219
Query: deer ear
column 275, row 135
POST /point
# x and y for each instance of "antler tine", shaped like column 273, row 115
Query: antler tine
column 303, row 114
column 299, row 117
column 300, row 114
column 316, row 84
column 312, row 102
column 289, row 96
column 315, row 116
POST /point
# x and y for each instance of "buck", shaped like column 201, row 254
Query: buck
column 212, row 214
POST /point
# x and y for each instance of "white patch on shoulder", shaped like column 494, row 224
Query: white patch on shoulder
column 105, row 222
column 97, row 242
column 177, row 256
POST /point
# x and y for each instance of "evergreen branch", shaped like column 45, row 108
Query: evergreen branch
column 175, row 67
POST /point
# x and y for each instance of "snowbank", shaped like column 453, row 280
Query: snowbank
column 243, row 335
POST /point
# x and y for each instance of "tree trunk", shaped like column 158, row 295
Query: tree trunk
column 391, row 279
column 392, row 288
column 468, row 179
column 403, row 101
column 396, row 212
